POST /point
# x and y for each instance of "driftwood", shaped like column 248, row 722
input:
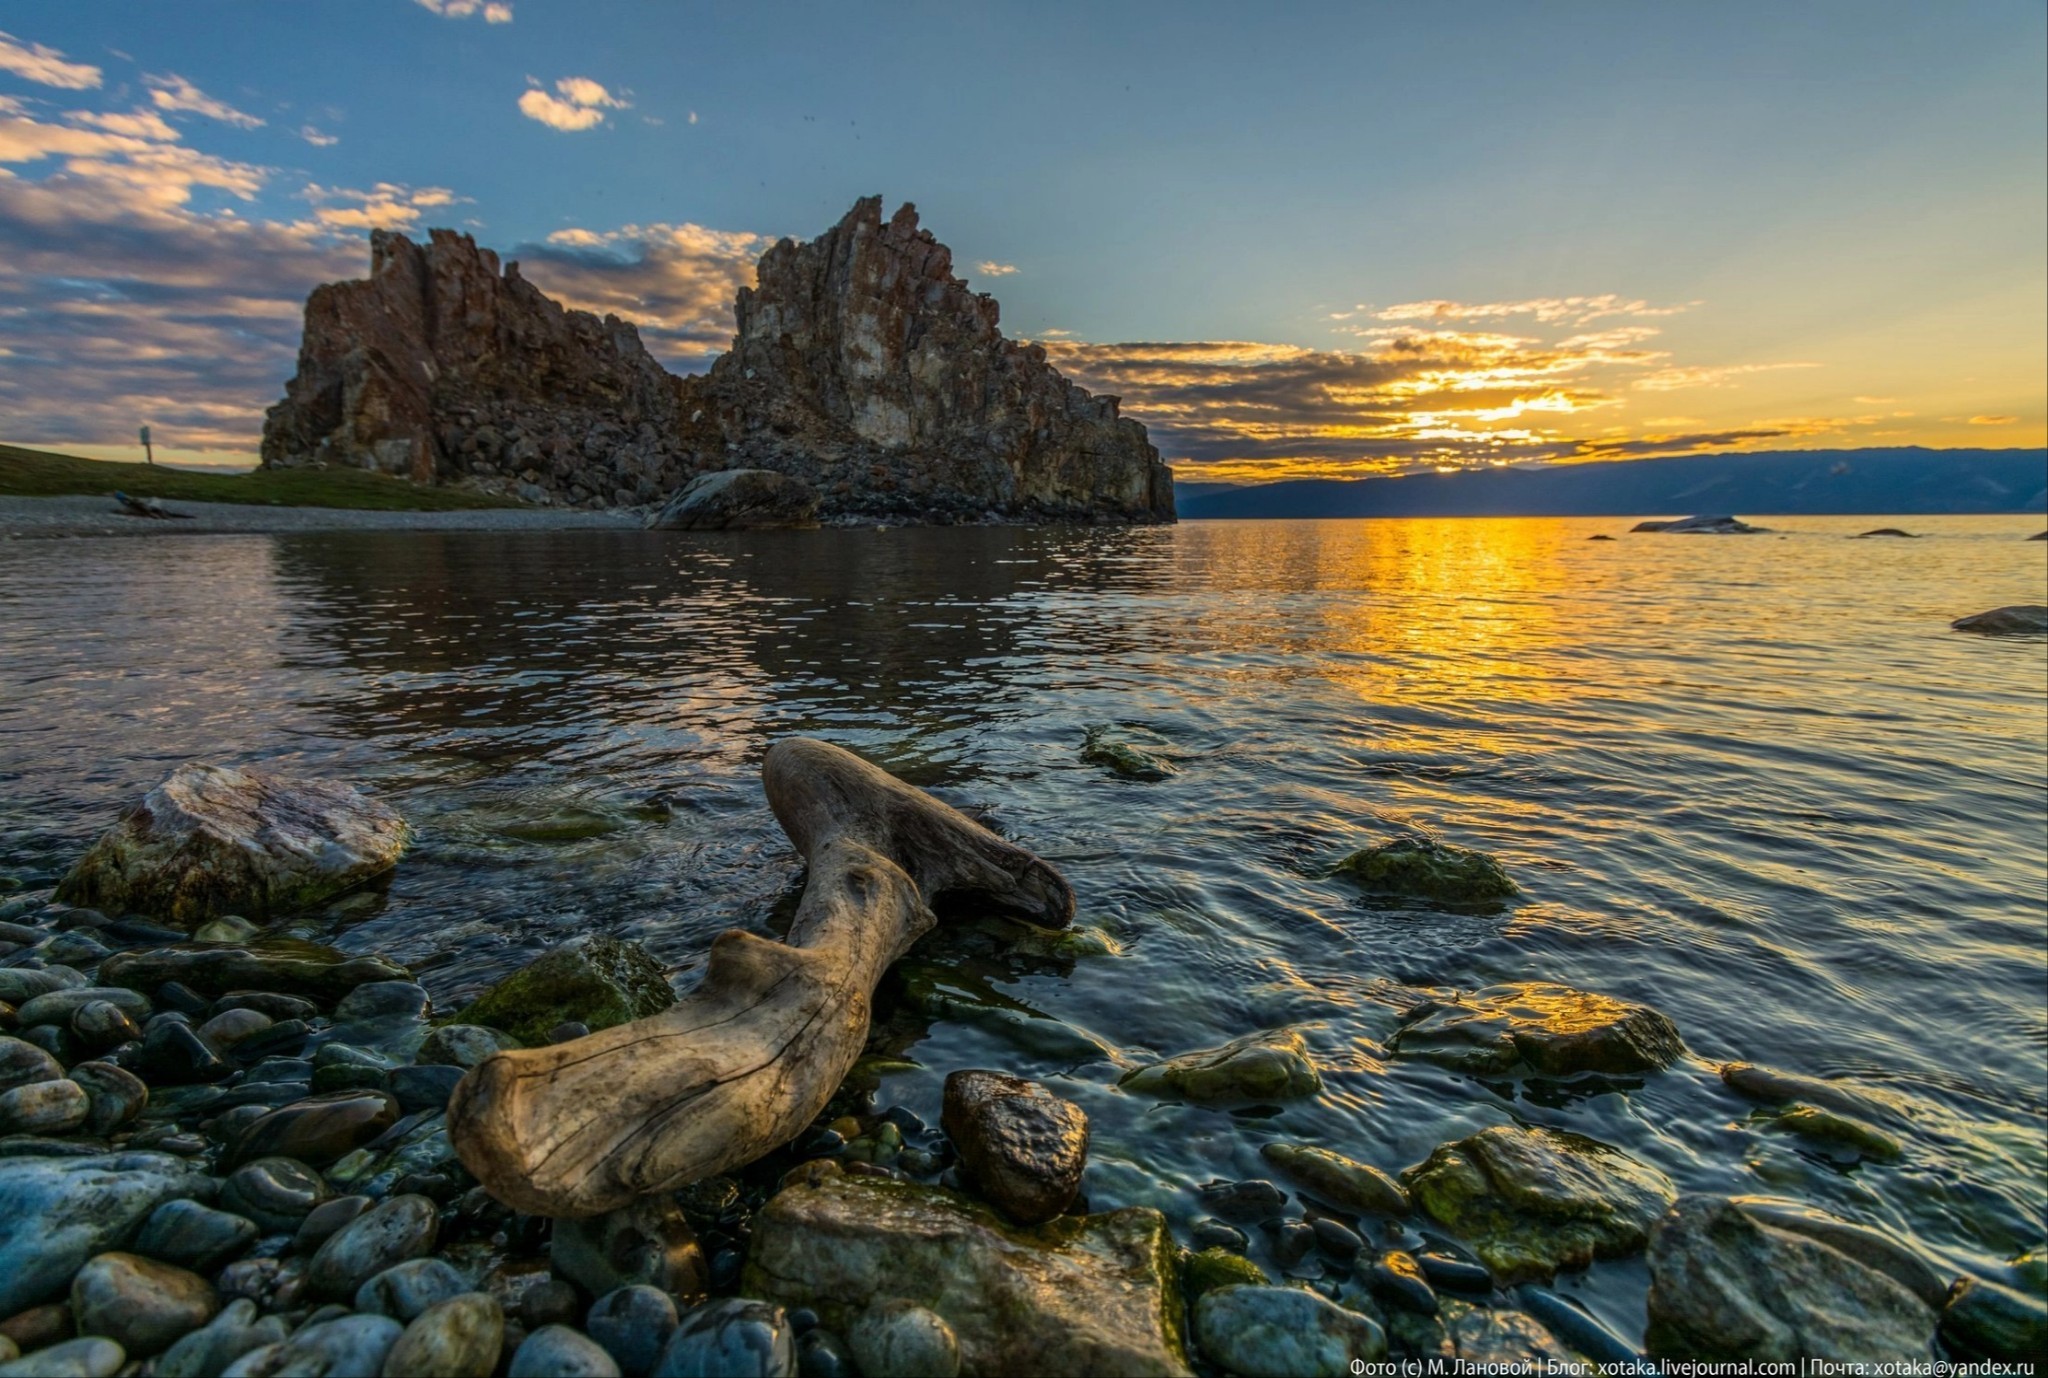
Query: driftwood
column 746, row 1062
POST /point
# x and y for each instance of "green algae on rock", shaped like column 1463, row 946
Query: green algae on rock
column 1285, row 1331
column 213, row 840
column 1533, row 1201
column 1542, row 1027
column 1082, row 1294
column 1268, row 1066
column 1423, row 868
column 1832, row 1131
column 1121, row 758
column 1214, row 1267
column 593, row 980
column 1339, row 1181
column 284, row 966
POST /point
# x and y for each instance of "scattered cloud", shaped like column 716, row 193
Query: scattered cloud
column 1545, row 310
column 174, row 93
column 1873, row 401
column 693, row 117
column 385, row 206
column 493, row 11
column 317, row 138
column 1709, row 376
column 989, row 268
column 1993, row 420
column 576, row 103
column 45, row 66
column 676, row 282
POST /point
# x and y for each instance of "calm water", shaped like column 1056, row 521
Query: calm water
column 1755, row 782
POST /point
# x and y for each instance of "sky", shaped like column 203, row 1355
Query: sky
column 1329, row 240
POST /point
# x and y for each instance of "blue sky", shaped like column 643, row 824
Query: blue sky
column 1631, row 229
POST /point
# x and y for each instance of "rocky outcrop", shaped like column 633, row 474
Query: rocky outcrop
column 860, row 366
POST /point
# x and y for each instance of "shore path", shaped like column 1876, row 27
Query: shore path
column 28, row 518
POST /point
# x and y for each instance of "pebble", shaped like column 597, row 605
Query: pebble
column 460, row 1045
column 1215, row 1234
column 179, row 997
column 194, row 1236
column 649, row 1241
column 422, row 1088
column 140, row 1304
column 1336, row 1239
column 320, row 1129
column 556, row 1351
column 405, row 1290
column 1255, row 1330
column 24, row 1063
column 91, row 1357
column 221, row 1341
column 228, row 928
column 19, row 985
column 103, row 1024
column 733, row 1337
column 553, row 1302
column 39, row 1327
column 344, row 1345
column 1292, row 1241
column 58, row 1043
column 1398, row 1279
column 568, row 1031
column 173, row 1053
column 324, row 1219
column 456, row 1338
column 44, row 1107
column 1455, row 1273
column 633, row 1324
column 57, row 1006
column 276, row 1193
column 278, row 1007
column 231, row 1027
column 1252, row 1200
column 905, row 1340
column 403, row 1227
column 383, row 1000
column 821, row 1354
column 115, row 1096
column 1024, row 1148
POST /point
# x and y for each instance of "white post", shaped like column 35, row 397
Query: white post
column 148, row 454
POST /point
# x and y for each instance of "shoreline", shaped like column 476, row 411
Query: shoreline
column 72, row 516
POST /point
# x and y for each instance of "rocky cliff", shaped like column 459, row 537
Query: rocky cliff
column 860, row 365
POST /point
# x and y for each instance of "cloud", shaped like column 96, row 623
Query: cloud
column 1547, row 310
column 46, row 66
column 316, row 138
column 173, row 92
column 385, row 206
column 1994, row 420
column 579, row 103
column 676, row 282
column 134, row 155
column 494, row 12
column 989, row 268
column 1708, row 376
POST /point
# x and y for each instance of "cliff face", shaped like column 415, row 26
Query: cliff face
column 860, row 365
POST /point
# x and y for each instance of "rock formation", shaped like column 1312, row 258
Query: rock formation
column 860, row 365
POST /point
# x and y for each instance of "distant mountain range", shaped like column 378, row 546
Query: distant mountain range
column 1777, row 482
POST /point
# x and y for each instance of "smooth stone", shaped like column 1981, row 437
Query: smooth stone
column 1725, row 1284
column 102, row 1024
column 230, row 1027
column 422, row 1088
column 1576, row 1327
column 461, row 1045
column 1398, row 1279
column 58, row 1006
column 291, row 1069
column 1335, row 1238
column 139, row 1303
column 194, row 1236
column 2018, row 619
column 821, row 1354
column 1338, row 1181
column 553, row 1302
column 324, row 1219
column 1989, row 1321
column 276, row 1193
column 1503, row 1341
column 23, row 1064
column 1425, row 869
column 404, row 1291
column 222, row 1340
column 1292, row 1241
column 1871, row 1248
column 1120, row 758
column 55, row 1213
column 348, row 1055
column 72, row 949
column 568, row 1031
column 556, row 1351
column 174, row 1054
column 19, row 985
column 632, row 1324
column 175, row 997
column 265, row 1002
column 44, row 1107
column 59, row 1043
column 1022, row 1147
column 903, row 1338
column 732, row 1338
column 390, row 999
column 285, row 1038
column 346, row 1076
column 1284, row 1332
column 1532, row 1201
column 1249, row 1200
column 1083, row 1294
column 228, row 928
column 318, row 1130
column 1539, row 1027
column 39, row 1327
column 93, row 1356
column 403, row 1227
column 593, row 980
column 1269, row 1066
column 347, row 1345
column 456, row 1338
column 649, row 1241
column 1217, row 1267
column 287, row 966
column 1216, row 1234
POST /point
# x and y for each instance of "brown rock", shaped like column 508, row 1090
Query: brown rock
column 1021, row 1146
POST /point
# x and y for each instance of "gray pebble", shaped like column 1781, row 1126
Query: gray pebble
column 324, row 1219
column 139, row 1303
column 353, row 1345
column 44, row 1107
column 194, row 1236
column 276, row 1193
column 405, row 1290
column 115, row 1094
column 904, row 1339
column 457, row 1338
column 221, row 1341
column 633, row 1324
column 383, row 1000
column 460, row 1045
column 733, row 1337
column 22, row 1064
column 403, row 1227
column 556, row 1351
column 91, row 1357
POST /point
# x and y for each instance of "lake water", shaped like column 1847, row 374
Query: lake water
column 1754, row 781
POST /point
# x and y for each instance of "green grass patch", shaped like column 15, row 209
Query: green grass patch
column 40, row 474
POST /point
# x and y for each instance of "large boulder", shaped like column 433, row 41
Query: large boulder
column 1533, row 1201
column 55, row 1213
column 2017, row 619
column 1540, row 1027
column 1729, row 1284
column 591, row 980
column 739, row 500
column 216, row 839
column 1085, row 1294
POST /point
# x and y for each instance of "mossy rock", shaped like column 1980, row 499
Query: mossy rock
column 1270, row 1066
column 1423, row 868
column 1832, row 1131
column 1121, row 758
column 1218, row 1267
column 592, row 980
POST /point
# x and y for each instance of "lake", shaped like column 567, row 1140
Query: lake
column 1753, row 781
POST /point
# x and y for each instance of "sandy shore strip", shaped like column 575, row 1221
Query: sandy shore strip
column 29, row 518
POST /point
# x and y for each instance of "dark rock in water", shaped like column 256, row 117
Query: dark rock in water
column 1541, row 1027
column 422, row 1088
column 648, row 1242
column 55, row 1213
column 1602, row 536
column 738, row 1337
column 1533, row 1201
column 1576, row 1327
column 1398, row 1279
column 821, row 1354
column 903, row 1338
column 19, row 985
column 115, row 1096
column 592, row 980
column 1505, row 1341
column 175, row 1055
column 1422, row 868
column 140, row 1304
column 1340, row 1181
column 318, row 1130
column 1885, row 531
column 325, row 1219
column 1021, row 1146
column 1290, row 1330
column 215, row 839
column 1253, row 1199
column 1211, row 1268
column 193, row 1236
column 1269, row 1066
column 385, row 998
column 1985, row 1320
column 2039, row 536
column 231, row 1027
column 227, row 1337
column 402, row 1228
column 1335, row 1238
column 739, row 500
column 1216, row 1234
column 457, row 1337
column 276, row 1006
column 1693, row 526
column 276, row 1193
column 556, row 1351
column 405, row 1290
column 1293, row 1240
column 101, row 1024
column 291, row 967
column 2020, row 619
column 61, row 1006
column 1727, row 1285
column 1098, row 748
column 633, row 1324
column 553, row 1302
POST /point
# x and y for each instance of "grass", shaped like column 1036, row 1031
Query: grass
column 40, row 474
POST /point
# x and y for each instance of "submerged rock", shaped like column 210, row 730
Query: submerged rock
column 2018, row 619
column 1285, row 1332
column 1211, row 1268
column 1533, row 1201
column 1540, row 1027
column 1083, row 1294
column 284, row 965
column 592, row 980
column 1121, row 758
column 1986, row 1320
column 1269, row 1066
column 1725, row 1284
column 1695, row 526
column 739, row 500
column 1829, row 1130
column 55, row 1213
column 215, row 839
column 1884, row 531
column 1423, row 868
column 1339, row 1181
column 1021, row 1146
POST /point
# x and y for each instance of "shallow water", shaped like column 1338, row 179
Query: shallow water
column 1754, row 781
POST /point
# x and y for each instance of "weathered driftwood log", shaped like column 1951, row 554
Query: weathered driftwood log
column 745, row 1063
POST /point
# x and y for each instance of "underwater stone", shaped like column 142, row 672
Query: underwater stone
column 1268, row 1066
column 1423, row 868
column 1539, row 1026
